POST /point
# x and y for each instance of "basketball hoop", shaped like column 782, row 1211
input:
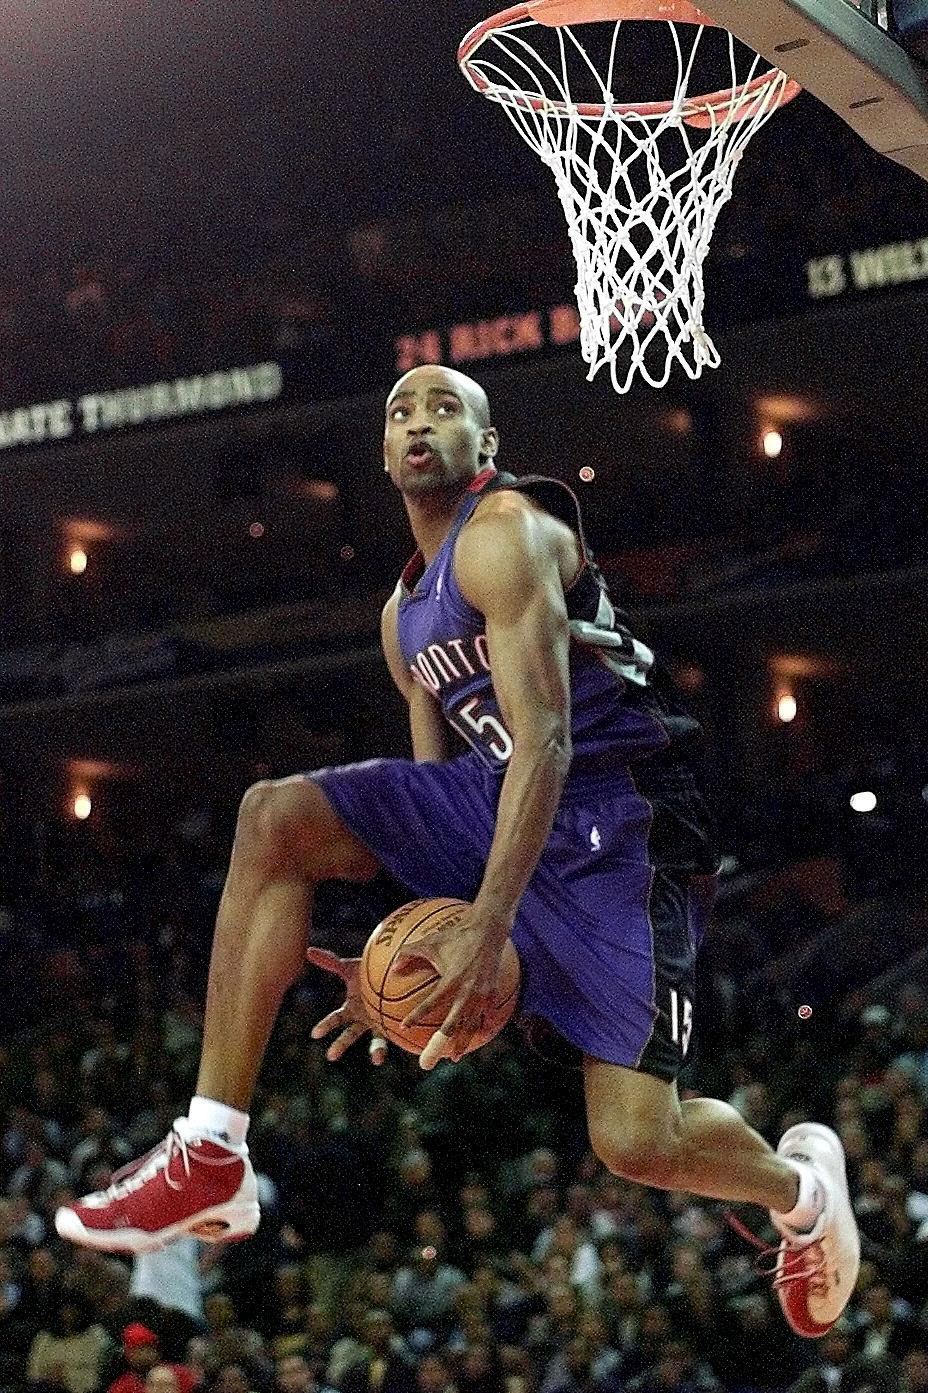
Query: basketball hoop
column 640, row 182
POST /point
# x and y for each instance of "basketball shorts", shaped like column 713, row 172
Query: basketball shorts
column 607, row 932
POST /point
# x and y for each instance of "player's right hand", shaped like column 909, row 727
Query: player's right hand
column 351, row 1017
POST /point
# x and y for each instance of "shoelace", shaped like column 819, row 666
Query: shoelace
column 794, row 1265
column 138, row 1173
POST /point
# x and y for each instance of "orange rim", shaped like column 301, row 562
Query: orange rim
column 699, row 112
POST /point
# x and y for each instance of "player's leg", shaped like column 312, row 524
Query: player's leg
column 430, row 825
column 288, row 839
column 200, row 1180
column 640, row 1130
column 609, row 939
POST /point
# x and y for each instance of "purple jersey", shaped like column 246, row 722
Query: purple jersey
column 615, row 708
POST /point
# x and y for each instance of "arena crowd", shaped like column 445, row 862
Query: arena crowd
column 441, row 1233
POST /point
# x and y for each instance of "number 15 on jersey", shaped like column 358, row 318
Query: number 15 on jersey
column 483, row 730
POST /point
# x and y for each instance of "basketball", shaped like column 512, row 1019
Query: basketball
column 390, row 990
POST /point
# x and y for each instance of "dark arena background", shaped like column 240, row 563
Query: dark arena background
column 226, row 231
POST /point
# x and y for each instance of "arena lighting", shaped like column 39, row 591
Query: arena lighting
column 773, row 444
column 323, row 490
column 790, row 408
column 678, row 422
column 77, row 561
column 863, row 802
column 786, row 707
column 256, row 530
column 82, row 807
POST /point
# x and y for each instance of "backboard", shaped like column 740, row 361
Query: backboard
column 845, row 59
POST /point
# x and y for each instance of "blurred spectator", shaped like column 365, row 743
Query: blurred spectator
column 198, row 1361
column 350, row 1348
column 675, row 1371
column 230, row 1342
column 162, row 1378
column 283, row 1308
column 293, row 1374
column 424, row 1290
column 140, row 1354
column 70, row 1351
column 387, row 1366
column 915, row 1370
column 232, row 1378
column 434, row 1376
column 505, row 1304
column 573, row 1244
column 577, row 1373
column 887, row 1324
column 480, row 1369
column 605, row 1363
column 172, row 1277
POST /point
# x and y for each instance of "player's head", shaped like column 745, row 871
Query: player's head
column 438, row 431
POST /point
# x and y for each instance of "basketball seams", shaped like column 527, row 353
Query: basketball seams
column 376, row 1001
column 373, row 998
column 403, row 909
column 499, row 1005
column 366, row 961
column 441, row 909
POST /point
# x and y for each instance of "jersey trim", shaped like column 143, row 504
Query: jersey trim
column 593, row 619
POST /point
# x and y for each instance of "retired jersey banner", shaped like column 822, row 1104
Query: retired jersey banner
column 183, row 397
column 503, row 336
column 873, row 268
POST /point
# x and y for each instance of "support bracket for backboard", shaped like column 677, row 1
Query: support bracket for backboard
column 847, row 62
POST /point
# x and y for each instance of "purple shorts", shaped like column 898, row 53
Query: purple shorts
column 607, row 934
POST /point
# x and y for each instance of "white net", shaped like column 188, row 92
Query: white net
column 642, row 186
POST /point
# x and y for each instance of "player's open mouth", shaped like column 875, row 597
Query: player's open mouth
column 421, row 454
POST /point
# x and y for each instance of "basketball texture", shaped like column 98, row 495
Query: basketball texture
column 391, row 990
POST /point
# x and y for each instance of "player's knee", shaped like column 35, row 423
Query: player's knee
column 254, row 808
column 645, row 1157
column 270, row 814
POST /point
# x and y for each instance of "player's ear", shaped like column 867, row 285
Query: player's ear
column 489, row 444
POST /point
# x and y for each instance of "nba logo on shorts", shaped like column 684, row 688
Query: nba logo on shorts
column 595, row 839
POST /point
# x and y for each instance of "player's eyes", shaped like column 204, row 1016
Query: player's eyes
column 448, row 406
column 399, row 413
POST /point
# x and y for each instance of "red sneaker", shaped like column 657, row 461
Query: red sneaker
column 816, row 1272
column 189, row 1184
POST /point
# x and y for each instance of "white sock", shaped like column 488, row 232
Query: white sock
column 218, row 1120
column 811, row 1199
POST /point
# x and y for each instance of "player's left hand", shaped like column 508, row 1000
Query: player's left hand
column 467, row 957
column 350, row 1018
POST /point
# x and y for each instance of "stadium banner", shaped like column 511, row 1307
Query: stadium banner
column 874, row 268
column 785, row 288
column 503, row 336
column 158, row 402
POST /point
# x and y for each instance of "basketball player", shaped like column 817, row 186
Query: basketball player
column 573, row 825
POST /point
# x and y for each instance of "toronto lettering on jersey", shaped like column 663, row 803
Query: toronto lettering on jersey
column 441, row 664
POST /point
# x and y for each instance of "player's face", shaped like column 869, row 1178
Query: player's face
column 434, row 437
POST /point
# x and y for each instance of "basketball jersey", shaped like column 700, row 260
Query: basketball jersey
column 621, row 709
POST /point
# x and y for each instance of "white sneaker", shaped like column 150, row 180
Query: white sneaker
column 816, row 1272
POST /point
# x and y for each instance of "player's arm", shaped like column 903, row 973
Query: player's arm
column 507, row 567
column 430, row 736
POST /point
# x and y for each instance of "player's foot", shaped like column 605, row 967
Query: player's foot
column 188, row 1184
column 816, row 1271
